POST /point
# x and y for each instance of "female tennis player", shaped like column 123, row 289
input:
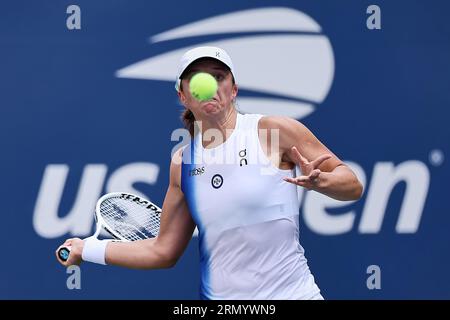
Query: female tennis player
column 241, row 193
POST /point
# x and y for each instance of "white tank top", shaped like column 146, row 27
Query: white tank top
column 247, row 218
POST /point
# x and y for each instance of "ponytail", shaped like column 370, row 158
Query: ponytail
column 188, row 120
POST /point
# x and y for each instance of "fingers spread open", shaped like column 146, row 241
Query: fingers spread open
column 316, row 163
column 297, row 157
column 314, row 174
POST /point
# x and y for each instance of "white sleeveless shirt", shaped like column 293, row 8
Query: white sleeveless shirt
column 247, row 217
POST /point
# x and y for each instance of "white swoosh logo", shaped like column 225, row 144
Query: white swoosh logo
column 253, row 20
column 296, row 70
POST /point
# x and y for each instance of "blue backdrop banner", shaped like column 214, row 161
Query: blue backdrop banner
column 88, row 106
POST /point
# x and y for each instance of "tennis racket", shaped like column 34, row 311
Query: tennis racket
column 126, row 217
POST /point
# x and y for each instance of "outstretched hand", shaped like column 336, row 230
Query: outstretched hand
column 310, row 172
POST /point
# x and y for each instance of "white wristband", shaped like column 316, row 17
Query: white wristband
column 94, row 250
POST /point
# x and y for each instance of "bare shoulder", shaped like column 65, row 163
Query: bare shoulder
column 175, row 167
column 285, row 124
column 290, row 130
column 177, row 156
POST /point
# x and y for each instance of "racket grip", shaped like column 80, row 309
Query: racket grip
column 63, row 253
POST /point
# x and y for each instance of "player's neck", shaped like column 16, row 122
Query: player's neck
column 216, row 131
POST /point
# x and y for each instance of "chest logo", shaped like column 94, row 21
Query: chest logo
column 243, row 157
column 217, row 181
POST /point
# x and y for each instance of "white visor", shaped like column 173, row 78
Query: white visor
column 203, row 52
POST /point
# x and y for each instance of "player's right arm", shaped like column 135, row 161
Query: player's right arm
column 175, row 232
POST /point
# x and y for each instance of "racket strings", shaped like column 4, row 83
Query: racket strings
column 130, row 220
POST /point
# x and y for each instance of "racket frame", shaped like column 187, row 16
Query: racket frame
column 102, row 224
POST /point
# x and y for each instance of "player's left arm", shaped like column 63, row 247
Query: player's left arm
column 321, row 169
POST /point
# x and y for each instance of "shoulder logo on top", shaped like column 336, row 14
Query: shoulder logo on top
column 243, row 157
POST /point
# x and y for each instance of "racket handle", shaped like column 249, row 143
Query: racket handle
column 63, row 253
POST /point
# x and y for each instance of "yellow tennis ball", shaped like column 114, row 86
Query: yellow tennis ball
column 203, row 86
